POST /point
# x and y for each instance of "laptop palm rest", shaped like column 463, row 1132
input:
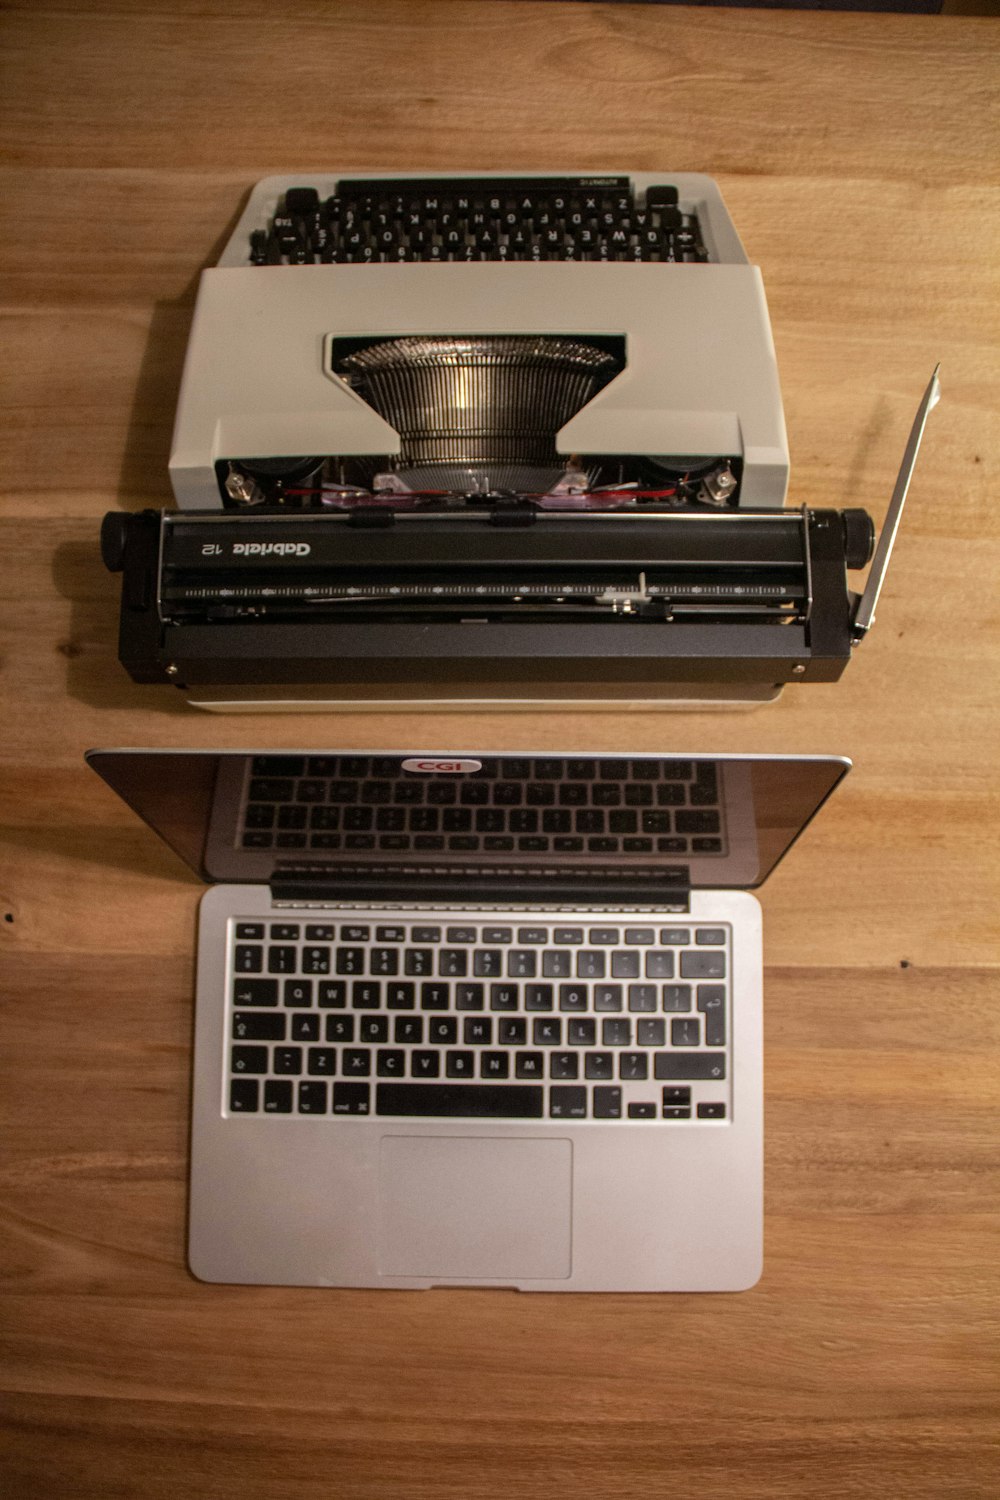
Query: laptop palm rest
column 469, row 1207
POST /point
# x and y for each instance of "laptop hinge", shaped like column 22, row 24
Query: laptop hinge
column 664, row 890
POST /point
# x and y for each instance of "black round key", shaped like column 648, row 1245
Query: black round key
column 301, row 200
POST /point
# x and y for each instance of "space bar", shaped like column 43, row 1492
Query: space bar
column 494, row 1101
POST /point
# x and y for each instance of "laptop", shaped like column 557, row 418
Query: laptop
column 467, row 1019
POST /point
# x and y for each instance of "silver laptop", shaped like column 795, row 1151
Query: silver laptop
column 477, row 1020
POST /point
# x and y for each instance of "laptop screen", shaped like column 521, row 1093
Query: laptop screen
column 596, row 820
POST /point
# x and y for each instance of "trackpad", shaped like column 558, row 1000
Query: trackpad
column 473, row 1207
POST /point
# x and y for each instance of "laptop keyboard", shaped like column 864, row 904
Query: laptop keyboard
column 538, row 806
column 515, row 1017
column 529, row 219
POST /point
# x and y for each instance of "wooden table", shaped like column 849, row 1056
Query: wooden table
column 858, row 158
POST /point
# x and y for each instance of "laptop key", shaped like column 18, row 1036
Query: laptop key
column 676, row 997
column 607, row 997
column 351, row 1098
column 384, row 961
column 278, row 1096
column 333, row 996
column 707, row 965
column 312, row 1098
column 425, row 1064
column 509, row 1101
column 573, row 997
column 633, row 1066
column 567, row 1103
column 257, row 1026
column 305, row 1028
column 249, row 1060
column 684, row 1031
column 659, row 965
column 249, row 958
column 418, row 961
column 298, row 993
column 674, row 1066
column 521, row 963
column 244, row 1096
column 366, row 994
column 255, row 992
column 350, row 961
column 546, row 1032
column 607, row 1104
column 599, row 1065
column 529, row 1064
column 712, row 1003
column 453, row 963
column 642, row 997
column 321, row 1061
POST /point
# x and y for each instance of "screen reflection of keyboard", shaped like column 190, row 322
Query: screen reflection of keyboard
column 538, row 806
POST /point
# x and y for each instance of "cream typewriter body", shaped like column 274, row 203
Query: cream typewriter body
column 494, row 441
column 364, row 260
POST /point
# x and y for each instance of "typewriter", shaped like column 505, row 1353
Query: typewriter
column 490, row 440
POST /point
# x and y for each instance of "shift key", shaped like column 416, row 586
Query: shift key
column 683, row 1065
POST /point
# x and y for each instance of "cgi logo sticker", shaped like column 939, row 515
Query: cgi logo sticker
column 454, row 766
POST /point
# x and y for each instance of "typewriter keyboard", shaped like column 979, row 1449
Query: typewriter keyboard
column 537, row 807
column 532, row 219
column 519, row 1017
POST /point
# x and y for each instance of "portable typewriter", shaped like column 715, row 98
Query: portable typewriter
column 491, row 440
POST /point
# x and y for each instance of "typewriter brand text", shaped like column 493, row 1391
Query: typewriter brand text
column 271, row 549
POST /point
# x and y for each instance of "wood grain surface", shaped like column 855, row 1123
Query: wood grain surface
column 858, row 156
